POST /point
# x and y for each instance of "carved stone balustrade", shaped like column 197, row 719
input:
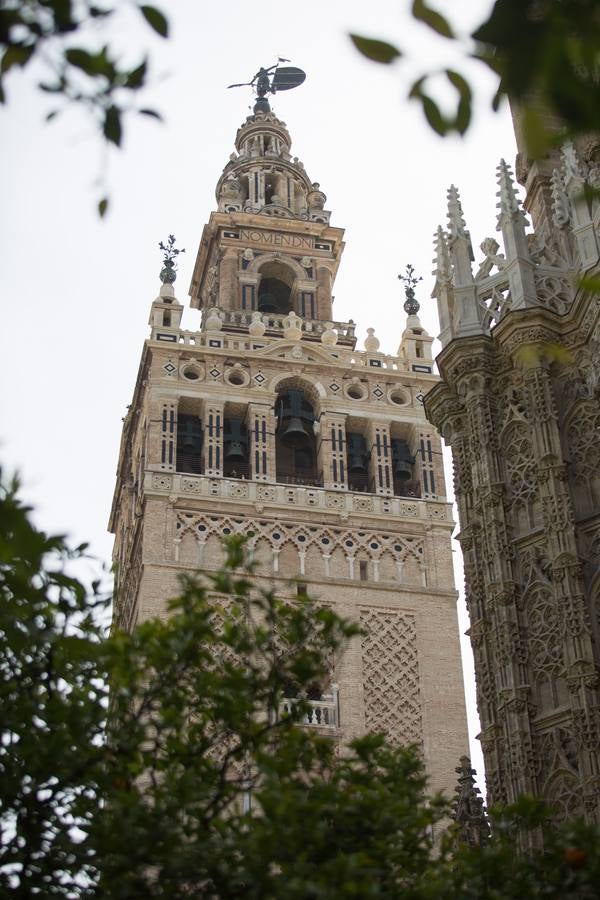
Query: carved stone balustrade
column 323, row 713
column 299, row 496
column 238, row 320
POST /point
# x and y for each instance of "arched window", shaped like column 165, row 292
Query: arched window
column 275, row 291
column 295, row 441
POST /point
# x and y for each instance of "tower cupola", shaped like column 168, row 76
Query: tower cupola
column 263, row 178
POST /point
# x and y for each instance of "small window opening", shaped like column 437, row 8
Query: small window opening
column 167, row 319
column 419, row 349
column 362, row 570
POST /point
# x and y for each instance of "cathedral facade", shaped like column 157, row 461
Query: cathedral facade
column 519, row 404
column 267, row 421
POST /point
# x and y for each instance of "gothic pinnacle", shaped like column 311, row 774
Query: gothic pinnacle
column 441, row 260
column 508, row 201
column 457, row 227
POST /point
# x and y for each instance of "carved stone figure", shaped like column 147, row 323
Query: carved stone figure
column 489, row 247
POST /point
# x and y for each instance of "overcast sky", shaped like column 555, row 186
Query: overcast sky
column 77, row 291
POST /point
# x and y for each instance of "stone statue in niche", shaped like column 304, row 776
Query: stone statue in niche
column 231, row 191
column 541, row 252
column 211, row 283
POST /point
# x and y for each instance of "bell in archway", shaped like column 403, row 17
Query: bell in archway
column 402, row 461
column 267, row 303
column 235, row 440
column 358, row 456
column 295, row 419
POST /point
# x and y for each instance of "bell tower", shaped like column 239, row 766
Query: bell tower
column 269, row 422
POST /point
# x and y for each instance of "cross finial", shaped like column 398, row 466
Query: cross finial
column 411, row 304
column 170, row 254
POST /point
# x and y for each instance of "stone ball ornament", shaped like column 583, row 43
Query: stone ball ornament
column 213, row 321
column 292, row 327
column 329, row 337
column 257, row 326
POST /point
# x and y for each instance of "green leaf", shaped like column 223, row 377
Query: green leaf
column 102, row 207
column 433, row 115
column 155, row 20
column 590, row 283
column 112, row 128
column 15, row 55
column 378, row 51
column 441, row 124
column 151, row 112
column 463, row 109
column 433, row 19
column 83, row 60
column 135, row 79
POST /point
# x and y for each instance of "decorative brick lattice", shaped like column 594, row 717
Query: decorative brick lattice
column 391, row 675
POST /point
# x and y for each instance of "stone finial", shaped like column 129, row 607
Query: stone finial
column 561, row 208
column 571, row 162
column 508, row 201
column 442, row 268
column 168, row 273
column 457, row 227
column 459, row 240
column 468, row 809
column 371, row 342
column 411, row 304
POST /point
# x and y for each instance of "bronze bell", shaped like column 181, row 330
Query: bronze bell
column 402, row 461
column 294, row 432
column 235, row 440
column 357, row 454
column 295, row 419
column 267, row 302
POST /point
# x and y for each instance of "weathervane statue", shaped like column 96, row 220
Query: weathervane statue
column 269, row 81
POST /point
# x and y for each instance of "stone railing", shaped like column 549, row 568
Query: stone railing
column 302, row 496
column 311, row 328
column 323, row 713
column 243, row 342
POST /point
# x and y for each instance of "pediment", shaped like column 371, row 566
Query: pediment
column 296, row 350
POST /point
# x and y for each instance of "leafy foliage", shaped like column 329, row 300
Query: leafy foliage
column 86, row 76
column 545, row 55
column 200, row 785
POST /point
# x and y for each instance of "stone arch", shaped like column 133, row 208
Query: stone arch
column 289, row 565
column 212, row 553
column 562, row 793
column 388, row 570
column 259, row 262
column 315, row 566
column 307, row 383
column 262, row 555
column 277, row 283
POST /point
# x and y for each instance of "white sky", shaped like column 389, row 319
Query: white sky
column 77, row 291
